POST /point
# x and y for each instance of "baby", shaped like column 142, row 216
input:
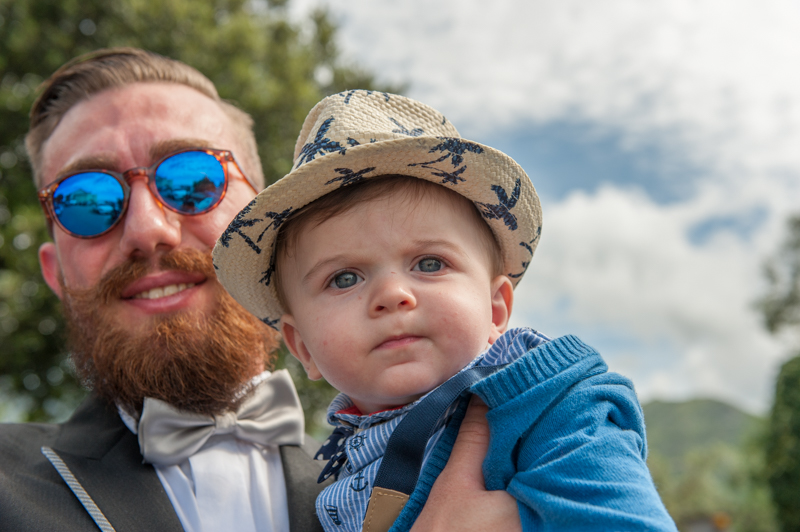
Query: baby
column 387, row 258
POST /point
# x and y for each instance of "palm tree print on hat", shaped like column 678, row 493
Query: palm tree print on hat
column 501, row 211
column 353, row 142
column 236, row 227
column 529, row 247
column 267, row 274
column 349, row 94
column 449, row 177
column 416, row 132
column 278, row 218
column 320, row 146
column 349, row 177
column 454, row 150
column 271, row 323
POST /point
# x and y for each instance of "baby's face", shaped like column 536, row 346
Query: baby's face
column 391, row 299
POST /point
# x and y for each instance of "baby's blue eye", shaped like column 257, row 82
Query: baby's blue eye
column 345, row 280
column 430, row 265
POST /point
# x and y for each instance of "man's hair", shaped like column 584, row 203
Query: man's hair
column 345, row 198
column 103, row 69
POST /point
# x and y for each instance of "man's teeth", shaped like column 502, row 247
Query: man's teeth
column 163, row 291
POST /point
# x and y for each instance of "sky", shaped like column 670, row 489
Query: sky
column 662, row 139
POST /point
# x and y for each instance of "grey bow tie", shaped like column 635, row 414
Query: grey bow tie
column 271, row 415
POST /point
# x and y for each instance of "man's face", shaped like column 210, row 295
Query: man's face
column 146, row 313
column 129, row 127
column 391, row 298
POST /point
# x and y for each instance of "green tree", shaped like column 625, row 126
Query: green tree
column 783, row 446
column 721, row 482
column 271, row 67
column 781, row 309
column 781, row 305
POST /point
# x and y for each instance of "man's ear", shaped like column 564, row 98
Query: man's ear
column 51, row 269
column 502, row 301
column 294, row 342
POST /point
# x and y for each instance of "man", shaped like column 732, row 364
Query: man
column 146, row 315
column 140, row 167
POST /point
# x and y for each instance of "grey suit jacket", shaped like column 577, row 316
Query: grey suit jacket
column 103, row 456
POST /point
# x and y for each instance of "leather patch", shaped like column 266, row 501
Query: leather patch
column 384, row 507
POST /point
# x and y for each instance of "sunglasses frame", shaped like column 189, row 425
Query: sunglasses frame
column 125, row 178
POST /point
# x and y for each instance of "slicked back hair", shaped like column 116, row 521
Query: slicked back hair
column 108, row 68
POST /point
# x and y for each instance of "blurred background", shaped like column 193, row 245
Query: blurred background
column 662, row 139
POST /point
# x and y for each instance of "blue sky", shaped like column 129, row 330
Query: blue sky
column 561, row 157
column 662, row 139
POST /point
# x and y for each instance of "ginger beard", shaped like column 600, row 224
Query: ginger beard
column 192, row 361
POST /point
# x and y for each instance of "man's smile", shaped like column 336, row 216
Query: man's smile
column 159, row 292
column 161, row 284
column 164, row 291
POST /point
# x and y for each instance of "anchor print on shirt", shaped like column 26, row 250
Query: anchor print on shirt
column 501, row 211
column 454, row 150
column 359, row 483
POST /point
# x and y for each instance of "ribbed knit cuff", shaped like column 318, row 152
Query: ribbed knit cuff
column 534, row 367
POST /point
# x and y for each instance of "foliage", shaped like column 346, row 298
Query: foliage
column 781, row 310
column 676, row 429
column 314, row 395
column 273, row 68
column 781, row 305
column 783, row 446
column 706, row 459
column 721, row 483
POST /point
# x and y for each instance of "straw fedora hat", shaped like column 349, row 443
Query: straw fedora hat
column 356, row 135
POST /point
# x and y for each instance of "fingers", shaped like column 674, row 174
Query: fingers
column 471, row 445
column 459, row 500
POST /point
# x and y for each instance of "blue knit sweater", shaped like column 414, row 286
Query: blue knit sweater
column 567, row 441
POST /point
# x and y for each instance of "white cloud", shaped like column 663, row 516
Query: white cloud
column 715, row 81
column 620, row 271
column 718, row 76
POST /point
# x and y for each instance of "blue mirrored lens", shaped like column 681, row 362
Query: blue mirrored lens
column 191, row 182
column 89, row 203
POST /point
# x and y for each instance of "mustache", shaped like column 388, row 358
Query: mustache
column 114, row 282
column 194, row 360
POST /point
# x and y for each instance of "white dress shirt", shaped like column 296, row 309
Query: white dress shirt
column 229, row 484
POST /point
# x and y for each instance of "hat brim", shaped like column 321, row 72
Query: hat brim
column 499, row 187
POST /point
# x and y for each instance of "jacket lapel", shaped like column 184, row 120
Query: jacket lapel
column 104, row 457
column 301, row 473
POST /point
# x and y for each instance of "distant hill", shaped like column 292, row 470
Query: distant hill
column 674, row 429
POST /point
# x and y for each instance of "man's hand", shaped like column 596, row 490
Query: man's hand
column 459, row 500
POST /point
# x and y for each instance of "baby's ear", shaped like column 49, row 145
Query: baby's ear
column 294, row 342
column 502, row 302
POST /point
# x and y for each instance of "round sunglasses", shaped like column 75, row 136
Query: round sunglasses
column 89, row 203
